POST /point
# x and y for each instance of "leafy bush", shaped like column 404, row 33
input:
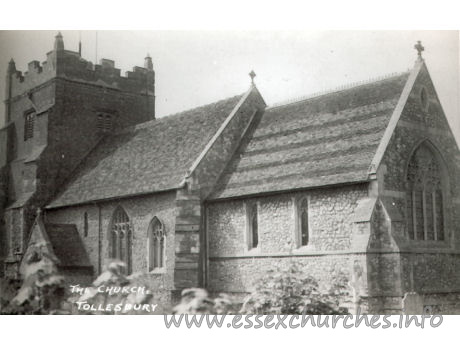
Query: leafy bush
column 290, row 291
column 114, row 277
column 283, row 291
column 42, row 290
column 280, row 291
column 197, row 301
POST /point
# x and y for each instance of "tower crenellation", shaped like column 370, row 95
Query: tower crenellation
column 70, row 65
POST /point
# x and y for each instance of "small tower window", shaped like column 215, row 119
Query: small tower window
column 156, row 245
column 29, row 119
column 253, row 226
column 104, row 123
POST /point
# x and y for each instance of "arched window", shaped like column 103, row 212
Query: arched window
column 252, row 225
column 156, row 245
column 303, row 222
column 425, row 196
column 121, row 237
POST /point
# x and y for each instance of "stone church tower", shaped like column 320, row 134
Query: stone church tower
column 56, row 112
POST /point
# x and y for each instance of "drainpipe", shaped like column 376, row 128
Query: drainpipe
column 205, row 246
column 11, row 71
column 99, row 239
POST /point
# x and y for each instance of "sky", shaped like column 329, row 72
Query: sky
column 194, row 68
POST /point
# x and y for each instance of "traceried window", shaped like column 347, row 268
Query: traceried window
column 303, row 222
column 121, row 237
column 156, row 245
column 29, row 120
column 425, row 203
column 253, row 226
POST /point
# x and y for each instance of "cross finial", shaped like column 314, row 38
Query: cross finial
column 252, row 74
column 419, row 49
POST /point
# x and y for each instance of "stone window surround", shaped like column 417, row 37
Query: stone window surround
column 129, row 239
column 297, row 204
column 249, row 207
column 29, row 124
column 162, row 269
column 445, row 188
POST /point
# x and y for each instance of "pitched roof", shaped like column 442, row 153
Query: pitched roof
column 67, row 245
column 150, row 157
column 322, row 140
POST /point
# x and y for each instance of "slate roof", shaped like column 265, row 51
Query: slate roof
column 324, row 140
column 67, row 245
column 150, row 157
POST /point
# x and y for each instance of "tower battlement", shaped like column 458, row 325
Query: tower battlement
column 69, row 65
column 72, row 67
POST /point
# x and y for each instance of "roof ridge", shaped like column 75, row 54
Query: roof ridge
column 343, row 87
column 152, row 122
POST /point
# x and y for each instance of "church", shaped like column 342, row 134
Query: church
column 361, row 182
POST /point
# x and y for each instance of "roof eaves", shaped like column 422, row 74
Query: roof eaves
column 55, row 205
column 357, row 181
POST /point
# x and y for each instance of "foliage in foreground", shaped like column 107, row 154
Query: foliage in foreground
column 42, row 290
column 198, row 301
column 290, row 291
column 114, row 279
column 280, row 291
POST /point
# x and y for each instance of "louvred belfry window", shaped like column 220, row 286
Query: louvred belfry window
column 29, row 120
column 425, row 196
column 121, row 237
column 104, row 123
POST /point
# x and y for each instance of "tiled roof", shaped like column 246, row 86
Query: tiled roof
column 67, row 245
column 150, row 157
column 323, row 140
